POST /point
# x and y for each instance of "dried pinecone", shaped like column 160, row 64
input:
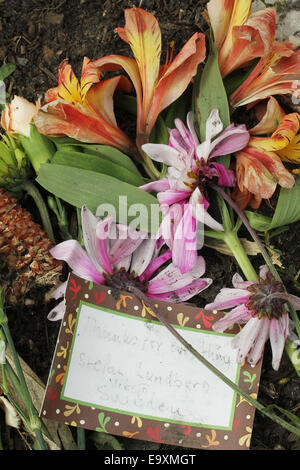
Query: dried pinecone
column 27, row 269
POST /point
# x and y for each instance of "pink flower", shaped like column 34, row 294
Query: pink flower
column 191, row 166
column 260, row 305
column 118, row 256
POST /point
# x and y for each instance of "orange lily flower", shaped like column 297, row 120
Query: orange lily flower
column 83, row 111
column 239, row 35
column 156, row 87
column 259, row 166
column 277, row 75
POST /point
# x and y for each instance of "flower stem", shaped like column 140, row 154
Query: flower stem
column 81, row 444
column 34, row 421
column 233, row 242
column 33, row 191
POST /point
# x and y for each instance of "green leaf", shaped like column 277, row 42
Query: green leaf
column 79, row 187
column 287, row 210
column 211, row 94
column 111, row 154
column 6, row 70
column 126, row 103
column 159, row 133
column 95, row 163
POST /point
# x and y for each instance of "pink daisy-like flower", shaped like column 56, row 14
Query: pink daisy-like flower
column 191, row 167
column 260, row 305
column 120, row 257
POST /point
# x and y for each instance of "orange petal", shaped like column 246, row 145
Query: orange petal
column 68, row 86
column 245, row 198
column 247, row 45
column 143, row 34
column 99, row 99
column 61, row 118
column 89, row 75
column 291, row 153
column 277, row 76
column 270, row 115
column 220, row 12
column 117, row 62
column 259, row 172
column 253, row 39
column 177, row 76
column 240, row 13
column 282, row 137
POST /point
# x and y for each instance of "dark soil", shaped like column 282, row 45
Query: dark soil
column 37, row 35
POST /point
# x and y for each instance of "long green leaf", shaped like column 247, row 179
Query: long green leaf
column 288, row 207
column 287, row 210
column 211, row 94
column 79, row 187
column 94, row 163
column 111, row 154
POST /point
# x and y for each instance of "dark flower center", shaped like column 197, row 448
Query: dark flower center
column 203, row 175
column 264, row 299
column 124, row 280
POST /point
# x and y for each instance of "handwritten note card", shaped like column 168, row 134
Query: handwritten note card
column 117, row 369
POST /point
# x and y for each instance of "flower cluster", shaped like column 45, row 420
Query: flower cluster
column 184, row 166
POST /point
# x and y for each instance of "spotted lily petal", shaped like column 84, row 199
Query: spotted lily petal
column 260, row 171
column 281, row 138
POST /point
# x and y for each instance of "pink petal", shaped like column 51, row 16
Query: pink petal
column 239, row 283
column 214, row 125
column 181, row 139
column 171, row 278
column 226, row 177
column 143, row 256
column 185, row 242
column 74, row 255
column 228, row 298
column 185, row 293
column 278, row 335
column 231, row 140
column 60, row 291
column 198, row 202
column 126, row 243
column 155, row 265
column 164, row 154
column 156, row 186
column 239, row 314
column 57, row 313
column 172, row 196
column 244, row 340
column 258, row 347
column 191, row 127
column 95, row 236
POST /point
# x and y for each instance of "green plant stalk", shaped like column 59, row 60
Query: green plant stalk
column 33, row 191
column 81, row 443
column 234, row 244
column 220, row 375
column 34, row 420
